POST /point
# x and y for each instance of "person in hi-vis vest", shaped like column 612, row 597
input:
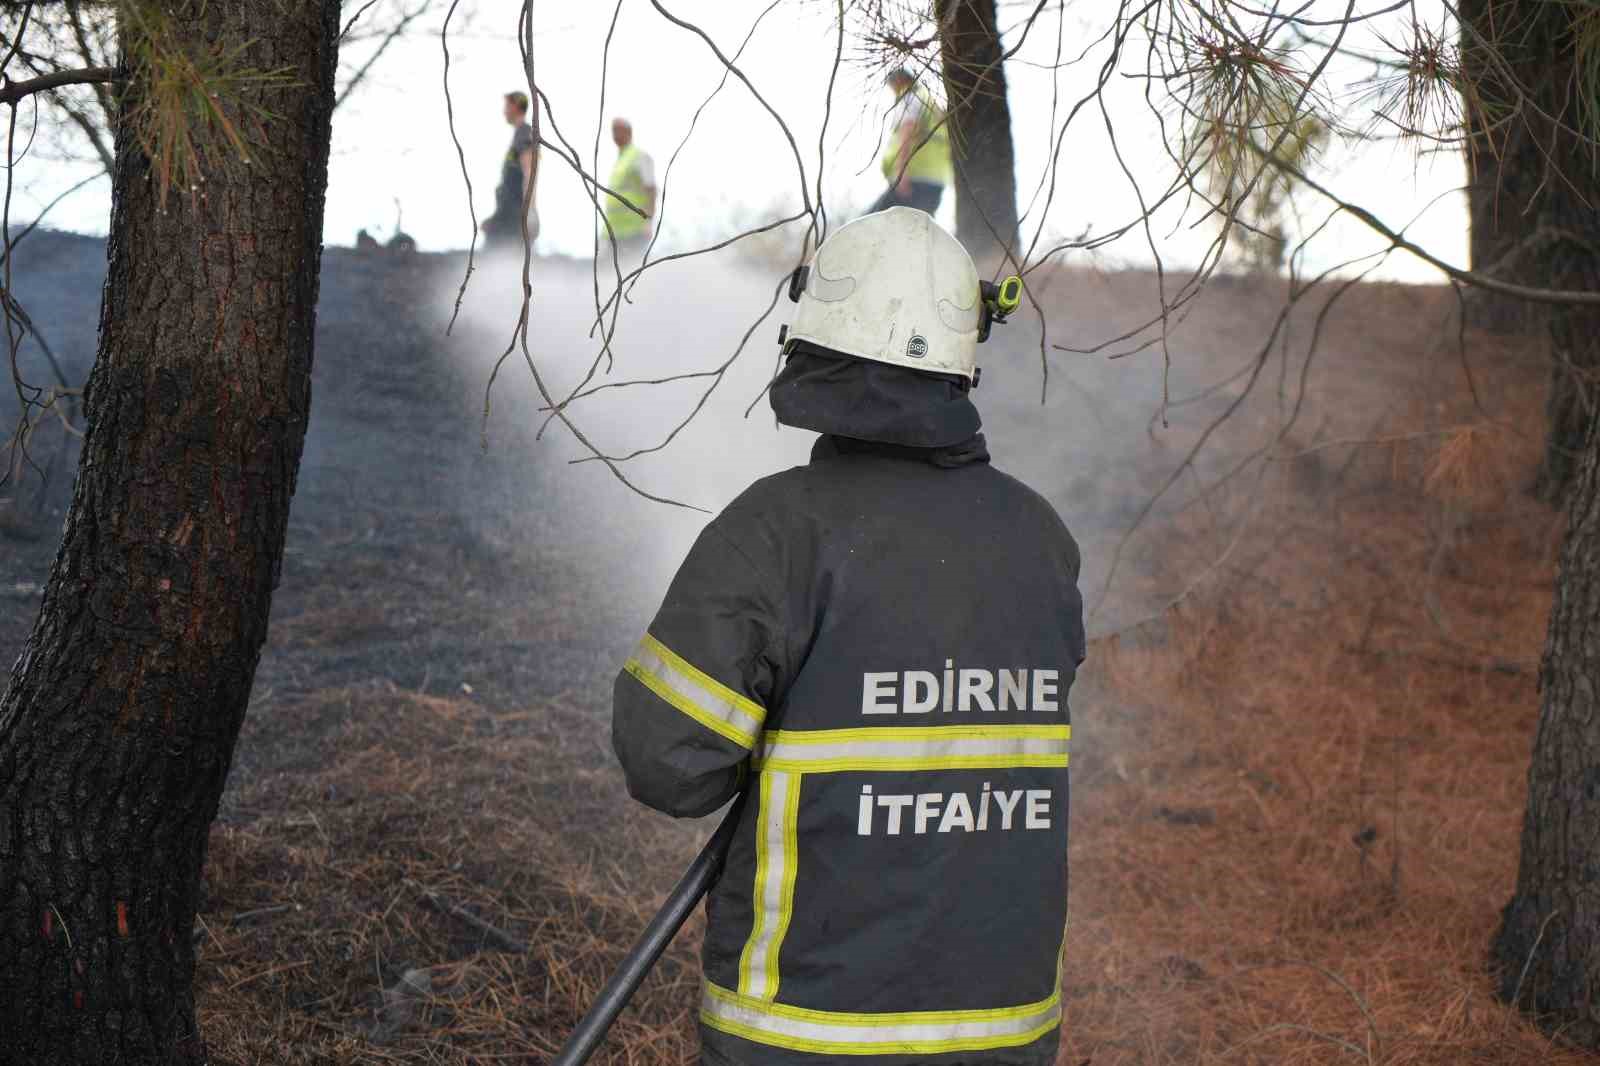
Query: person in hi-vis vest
column 633, row 177
column 916, row 156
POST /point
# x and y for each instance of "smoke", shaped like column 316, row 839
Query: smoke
column 1094, row 446
column 687, row 317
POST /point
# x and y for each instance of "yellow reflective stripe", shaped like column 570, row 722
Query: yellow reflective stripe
column 777, row 848
column 918, row 733
column 791, row 864
column 916, row 1032
column 914, row 748
column 885, row 1047
column 913, row 1017
column 696, row 693
column 909, row 763
column 758, row 915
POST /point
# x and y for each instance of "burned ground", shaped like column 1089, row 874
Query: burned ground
column 1297, row 791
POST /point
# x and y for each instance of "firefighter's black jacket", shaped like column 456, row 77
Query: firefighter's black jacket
column 879, row 645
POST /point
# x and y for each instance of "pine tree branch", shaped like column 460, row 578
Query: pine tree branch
column 13, row 91
column 94, row 131
column 1398, row 240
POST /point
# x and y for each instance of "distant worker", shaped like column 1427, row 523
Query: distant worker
column 634, row 178
column 877, row 648
column 916, row 175
column 518, row 173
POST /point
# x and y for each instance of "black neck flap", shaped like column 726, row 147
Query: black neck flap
column 841, row 396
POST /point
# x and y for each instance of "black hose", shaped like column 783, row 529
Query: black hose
column 696, row 882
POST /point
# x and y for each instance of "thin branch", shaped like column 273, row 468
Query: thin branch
column 392, row 34
column 94, row 131
column 47, row 208
column 12, row 91
column 1398, row 240
column 362, row 10
column 450, row 120
column 805, row 192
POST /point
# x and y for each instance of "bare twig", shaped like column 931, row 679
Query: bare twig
column 498, row 937
column 461, row 155
column 1466, row 277
column 392, row 33
column 13, row 91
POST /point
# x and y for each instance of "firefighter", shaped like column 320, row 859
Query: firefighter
column 877, row 646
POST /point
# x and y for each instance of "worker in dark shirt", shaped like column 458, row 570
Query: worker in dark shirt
column 519, row 173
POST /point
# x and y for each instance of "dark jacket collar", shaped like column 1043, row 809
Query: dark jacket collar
column 972, row 450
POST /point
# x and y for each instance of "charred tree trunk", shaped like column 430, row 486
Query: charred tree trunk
column 118, row 726
column 980, row 127
column 1533, row 189
column 1503, row 168
column 1547, row 950
column 1575, row 355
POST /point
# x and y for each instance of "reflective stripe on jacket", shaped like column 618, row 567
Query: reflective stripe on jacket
column 627, row 181
column 885, row 647
column 931, row 162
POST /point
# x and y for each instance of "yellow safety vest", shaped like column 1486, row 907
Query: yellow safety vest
column 628, row 182
column 931, row 162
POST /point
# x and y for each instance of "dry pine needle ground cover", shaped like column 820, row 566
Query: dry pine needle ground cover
column 1297, row 793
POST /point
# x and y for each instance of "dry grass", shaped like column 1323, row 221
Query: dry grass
column 320, row 894
column 1297, row 795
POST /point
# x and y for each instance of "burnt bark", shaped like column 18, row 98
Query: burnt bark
column 1534, row 201
column 1503, row 166
column 980, row 126
column 1571, row 402
column 119, row 722
column 1547, row 949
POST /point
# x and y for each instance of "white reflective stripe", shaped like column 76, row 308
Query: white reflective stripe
column 914, row 748
column 774, row 887
column 921, row 1032
column 696, row 693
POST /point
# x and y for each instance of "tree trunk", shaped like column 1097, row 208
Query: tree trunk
column 980, row 127
column 1531, row 200
column 1570, row 404
column 1503, row 167
column 119, row 723
column 1548, row 947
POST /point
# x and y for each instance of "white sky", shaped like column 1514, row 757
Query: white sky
column 391, row 140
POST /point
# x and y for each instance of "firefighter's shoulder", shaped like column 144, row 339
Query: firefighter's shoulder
column 1026, row 503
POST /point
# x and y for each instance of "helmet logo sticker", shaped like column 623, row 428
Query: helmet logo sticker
column 917, row 346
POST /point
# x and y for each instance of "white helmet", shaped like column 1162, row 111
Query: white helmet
column 893, row 287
